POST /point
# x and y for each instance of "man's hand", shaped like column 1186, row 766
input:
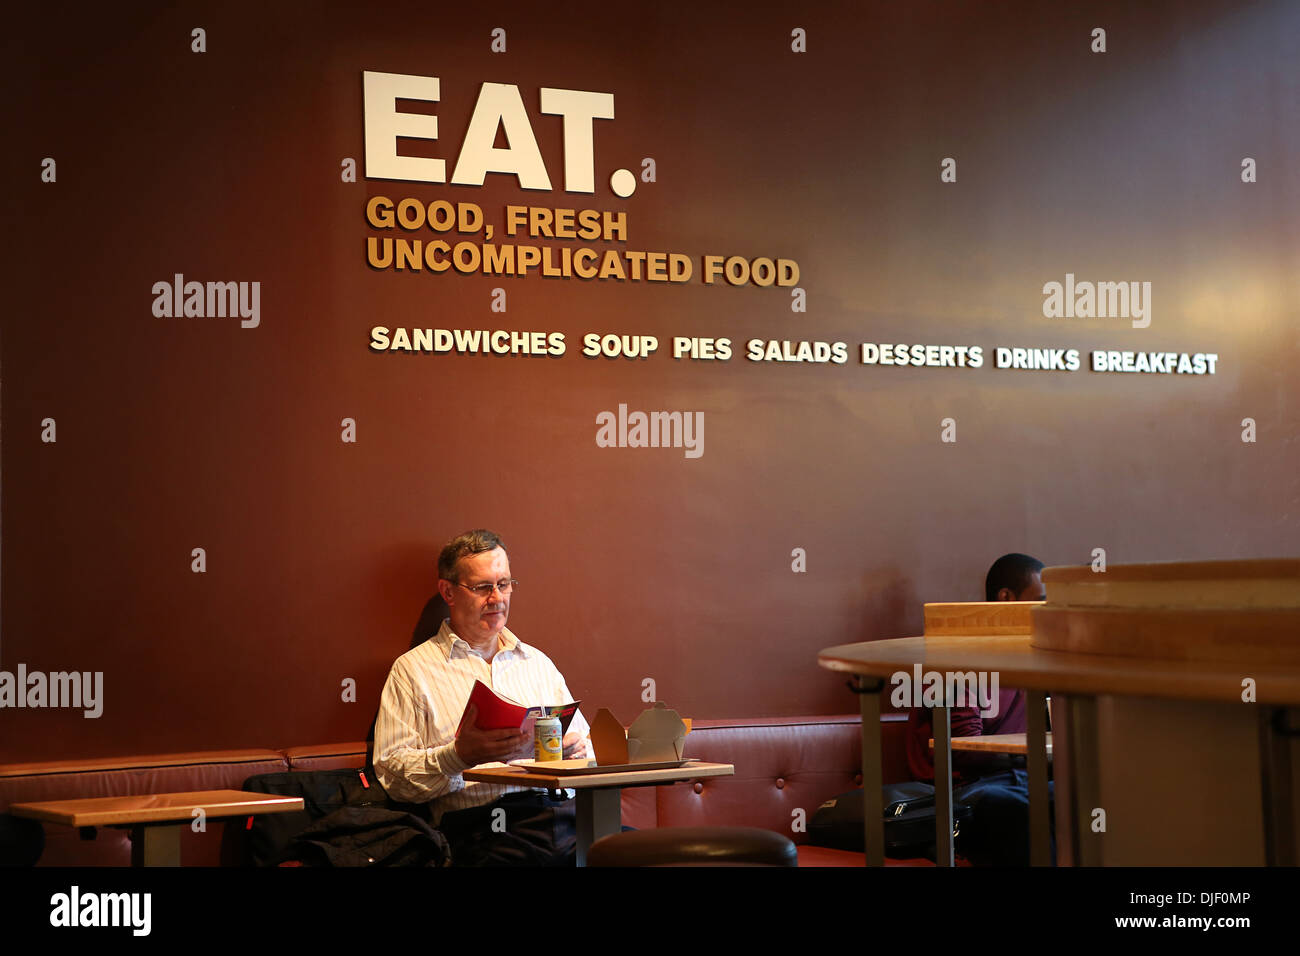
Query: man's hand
column 574, row 746
column 475, row 745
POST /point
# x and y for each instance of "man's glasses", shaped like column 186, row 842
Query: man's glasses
column 484, row 591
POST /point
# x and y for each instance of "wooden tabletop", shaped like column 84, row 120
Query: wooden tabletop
column 515, row 777
column 995, row 744
column 1019, row 665
column 154, row 808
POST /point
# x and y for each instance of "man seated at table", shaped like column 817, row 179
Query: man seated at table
column 998, row 793
column 420, row 758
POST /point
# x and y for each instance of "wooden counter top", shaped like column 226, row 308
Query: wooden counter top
column 1019, row 665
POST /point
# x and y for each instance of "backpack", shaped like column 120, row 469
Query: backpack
column 909, row 815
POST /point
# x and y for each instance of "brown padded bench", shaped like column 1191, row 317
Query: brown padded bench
column 783, row 764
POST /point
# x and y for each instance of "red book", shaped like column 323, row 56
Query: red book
column 494, row 711
column 501, row 713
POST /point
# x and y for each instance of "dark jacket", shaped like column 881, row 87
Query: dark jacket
column 369, row 836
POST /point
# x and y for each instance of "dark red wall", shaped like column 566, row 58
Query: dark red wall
column 183, row 433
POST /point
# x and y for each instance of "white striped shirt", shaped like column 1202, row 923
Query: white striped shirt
column 424, row 697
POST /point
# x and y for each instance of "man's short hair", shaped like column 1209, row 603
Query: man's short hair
column 1010, row 571
column 463, row 546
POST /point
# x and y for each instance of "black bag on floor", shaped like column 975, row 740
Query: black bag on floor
column 322, row 791
column 909, row 815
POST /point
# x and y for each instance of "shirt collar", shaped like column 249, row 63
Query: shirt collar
column 507, row 641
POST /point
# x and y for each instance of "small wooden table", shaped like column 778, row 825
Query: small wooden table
column 996, row 744
column 599, row 797
column 155, row 819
